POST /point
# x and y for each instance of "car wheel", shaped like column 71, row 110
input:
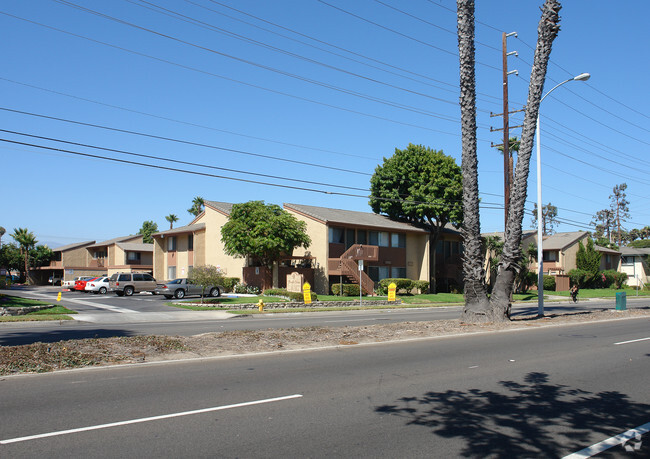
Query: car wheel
column 102, row 290
column 215, row 292
column 128, row 291
column 180, row 293
column 119, row 293
column 169, row 297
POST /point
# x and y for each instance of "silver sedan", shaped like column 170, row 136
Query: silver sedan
column 180, row 288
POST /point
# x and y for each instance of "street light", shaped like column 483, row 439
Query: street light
column 540, row 251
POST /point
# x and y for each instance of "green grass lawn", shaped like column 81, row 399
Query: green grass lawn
column 602, row 292
column 53, row 313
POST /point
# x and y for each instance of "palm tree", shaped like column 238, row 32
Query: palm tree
column 2, row 233
column 171, row 218
column 197, row 206
column 477, row 307
column 26, row 240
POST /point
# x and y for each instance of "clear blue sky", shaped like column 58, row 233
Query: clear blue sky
column 311, row 93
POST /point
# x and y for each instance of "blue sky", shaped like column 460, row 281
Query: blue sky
column 314, row 91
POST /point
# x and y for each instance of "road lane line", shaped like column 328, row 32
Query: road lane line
column 149, row 419
column 93, row 304
column 612, row 441
column 631, row 341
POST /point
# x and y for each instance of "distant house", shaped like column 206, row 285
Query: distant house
column 69, row 261
column 634, row 264
column 121, row 254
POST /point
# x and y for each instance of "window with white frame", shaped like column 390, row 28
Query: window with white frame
column 171, row 272
column 398, row 240
column 171, row 243
column 379, row 238
column 627, row 260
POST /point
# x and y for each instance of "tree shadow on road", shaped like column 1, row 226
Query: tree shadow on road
column 530, row 419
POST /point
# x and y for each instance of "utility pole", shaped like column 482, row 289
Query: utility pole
column 507, row 155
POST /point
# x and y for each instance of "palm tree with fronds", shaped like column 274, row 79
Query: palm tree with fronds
column 171, row 218
column 198, row 204
column 26, row 240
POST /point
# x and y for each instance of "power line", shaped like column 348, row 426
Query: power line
column 304, row 99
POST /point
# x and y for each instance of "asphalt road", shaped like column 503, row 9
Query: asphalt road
column 545, row 392
column 116, row 318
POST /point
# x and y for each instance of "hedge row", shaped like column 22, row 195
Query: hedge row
column 406, row 285
column 294, row 296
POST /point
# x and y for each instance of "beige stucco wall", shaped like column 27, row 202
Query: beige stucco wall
column 417, row 256
column 76, row 257
column 214, row 253
column 199, row 248
column 159, row 267
column 319, row 248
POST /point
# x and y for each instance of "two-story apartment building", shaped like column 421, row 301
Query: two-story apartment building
column 389, row 249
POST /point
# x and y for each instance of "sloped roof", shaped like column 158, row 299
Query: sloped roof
column 115, row 240
column 635, row 251
column 599, row 248
column 135, row 246
column 559, row 241
column 223, row 207
column 74, row 245
column 181, row 229
column 350, row 217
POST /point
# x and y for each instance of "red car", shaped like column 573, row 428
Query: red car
column 80, row 285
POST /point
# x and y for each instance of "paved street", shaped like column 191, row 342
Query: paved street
column 535, row 393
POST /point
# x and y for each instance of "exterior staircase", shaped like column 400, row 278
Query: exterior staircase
column 347, row 265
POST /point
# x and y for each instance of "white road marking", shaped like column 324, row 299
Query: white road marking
column 91, row 303
column 631, row 341
column 612, row 441
column 149, row 419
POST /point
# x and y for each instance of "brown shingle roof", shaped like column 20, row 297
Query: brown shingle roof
column 115, row 240
column 135, row 246
column 181, row 229
column 560, row 241
column 350, row 217
column 75, row 245
column 223, row 207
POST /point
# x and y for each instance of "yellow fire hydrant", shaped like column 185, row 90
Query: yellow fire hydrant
column 260, row 304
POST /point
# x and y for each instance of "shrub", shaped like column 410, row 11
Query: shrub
column 402, row 284
column 614, row 279
column 421, row 285
column 348, row 289
column 549, row 283
column 293, row 296
column 229, row 283
column 581, row 278
column 243, row 288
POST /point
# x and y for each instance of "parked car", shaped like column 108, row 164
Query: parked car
column 180, row 288
column 80, row 285
column 99, row 285
column 130, row 283
column 54, row 280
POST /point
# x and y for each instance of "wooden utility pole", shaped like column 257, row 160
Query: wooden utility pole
column 507, row 155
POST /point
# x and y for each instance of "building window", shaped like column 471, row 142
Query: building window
column 336, row 235
column 133, row 256
column 190, row 242
column 171, row 243
column 398, row 240
column 349, row 237
column 627, row 261
column 398, row 273
column 171, row 272
column 99, row 254
column 362, row 237
column 551, row 255
column 377, row 273
column 379, row 238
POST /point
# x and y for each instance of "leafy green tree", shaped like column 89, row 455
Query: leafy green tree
column 198, row 204
column 206, row 276
column 478, row 307
column 26, row 240
column 2, row 233
column 40, row 255
column 171, row 218
column 549, row 218
column 148, row 228
column 420, row 186
column 587, row 258
column 11, row 258
column 263, row 232
column 642, row 244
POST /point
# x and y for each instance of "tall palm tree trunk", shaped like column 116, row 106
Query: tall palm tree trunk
column 498, row 307
column 473, row 272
